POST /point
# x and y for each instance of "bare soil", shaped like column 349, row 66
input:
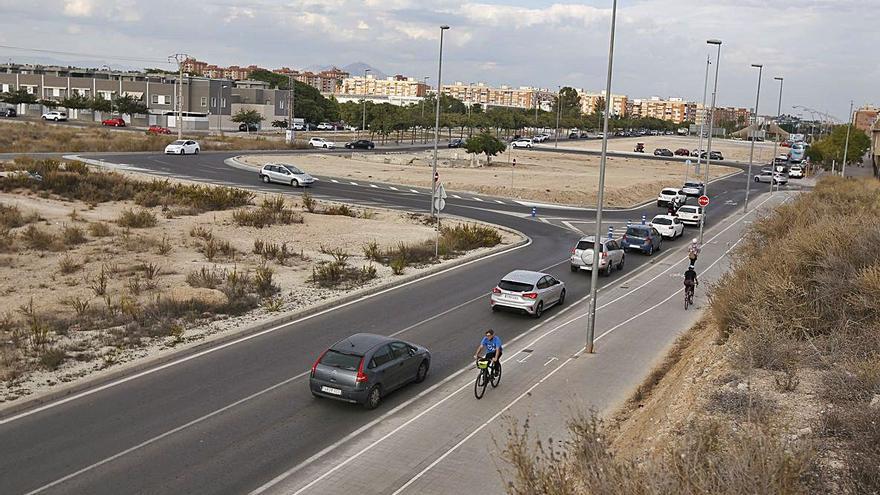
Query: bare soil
column 731, row 149
column 559, row 178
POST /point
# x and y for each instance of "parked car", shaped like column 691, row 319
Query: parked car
column 8, row 112
column 245, row 127
column 643, row 238
column 662, row 152
column 527, row 291
column 157, row 129
column 456, row 143
column 522, row 143
column 690, row 214
column 360, row 144
column 670, row 195
column 540, row 138
column 54, row 115
column 781, row 158
column 640, row 148
column 114, row 122
column 318, row 142
column 365, row 367
column 713, row 155
column 682, row 152
column 693, row 188
column 668, row 225
column 573, row 135
column 611, row 255
column 324, row 126
column 285, row 174
column 771, row 178
column 796, row 172
column 182, row 147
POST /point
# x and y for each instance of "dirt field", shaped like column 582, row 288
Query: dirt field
column 78, row 287
column 731, row 149
column 546, row 177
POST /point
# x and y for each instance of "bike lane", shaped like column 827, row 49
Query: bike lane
column 446, row 441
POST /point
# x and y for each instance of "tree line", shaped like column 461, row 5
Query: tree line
column 124, row 105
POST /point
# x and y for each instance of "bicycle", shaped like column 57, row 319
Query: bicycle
column 485, row 377
column 688, row 295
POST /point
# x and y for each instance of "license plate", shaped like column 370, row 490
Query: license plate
column 508, row 297
column 331, row 390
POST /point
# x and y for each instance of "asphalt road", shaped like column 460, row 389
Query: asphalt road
column 229, row 420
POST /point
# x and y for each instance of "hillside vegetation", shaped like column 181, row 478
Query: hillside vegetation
column 777, row 391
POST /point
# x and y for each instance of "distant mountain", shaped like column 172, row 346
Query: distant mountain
column 355, row 69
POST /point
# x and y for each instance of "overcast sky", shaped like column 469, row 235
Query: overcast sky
column 827, row 50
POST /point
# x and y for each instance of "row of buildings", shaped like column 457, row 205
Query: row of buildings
column 209, row 100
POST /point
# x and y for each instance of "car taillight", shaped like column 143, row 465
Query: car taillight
column 315, row 366
column 572, row 250
column 623, row 238
column 604, row 255
column 496, row 290
column 648, row 240
column 361, row 376
column 530, row 295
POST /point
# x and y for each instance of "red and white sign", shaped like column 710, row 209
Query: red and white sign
column 436, row 176
column 704, row 200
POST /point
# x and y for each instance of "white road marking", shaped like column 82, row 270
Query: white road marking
column 572, row 227
column 500, row 202
column 393, row 188
column 456, row 196
column 374, row 185
column 554, row 358
column 476, row 199
column 354, row 183
column 413, row 190
column 528, row 355
column 334, row 180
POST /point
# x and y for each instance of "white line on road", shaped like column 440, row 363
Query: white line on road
column 334, row 180
column 413, row 190
column 374, row 185
column 572, row 227
column 528, row 355
column 456, row 196
column 393, row 188
column 554, row 358
column 476, row 199
column 499, row 202
column 353, row 183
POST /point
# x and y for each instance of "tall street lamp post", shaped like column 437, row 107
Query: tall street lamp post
column 709, row 139
column 558, row 113
column 364, row 123
column 594, row 273
column 846, row 144
column 752, row 137
column 703, row 121
column 437, row 125
column 776, row 137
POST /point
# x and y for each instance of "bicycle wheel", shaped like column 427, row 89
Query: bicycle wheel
column 480, row 384
column 686, row 299
column 496, row 378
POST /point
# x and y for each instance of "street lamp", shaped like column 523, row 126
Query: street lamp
column 594, row 274
column 425, row 96
column 846, row 145
column 220, row 107
column 437, row 128
column 364, row 125
column 709, row 139
column 760, row 68
column 558, row 113
column 703, row 121
column 776, row 134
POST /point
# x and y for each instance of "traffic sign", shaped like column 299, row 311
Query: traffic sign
column 704, row 200
column 441, row 192
column 439, row 204
column 436, row 176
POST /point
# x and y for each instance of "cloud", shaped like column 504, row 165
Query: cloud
column 78, row 8
column 363, row 25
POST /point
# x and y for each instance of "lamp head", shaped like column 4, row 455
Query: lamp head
column 713, row 42
column 444, row 27
column 757, row 66
column 778, row 78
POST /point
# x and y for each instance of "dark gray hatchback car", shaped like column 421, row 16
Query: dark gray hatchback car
column 365, row 367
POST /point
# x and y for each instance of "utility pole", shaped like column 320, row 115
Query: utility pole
column 291, row 133
column 709, row 138
column 180, row 58
column 846, row 145
column 594, row 273
column 760, row 68
column 364, row 125
column 703, row 120
column 434, row 181
column 776, row 140
column 558, row 113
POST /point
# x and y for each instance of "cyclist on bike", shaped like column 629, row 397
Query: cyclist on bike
column 491, row 344
column 690, row 280
column 693, row 252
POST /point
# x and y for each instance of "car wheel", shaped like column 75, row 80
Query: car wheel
column 659, row 204
column 324, row 146
column 181, row 151
column 294, row 183
column 265, row 179
column 197, row 151
column 561, row 298
column 374, row 397
column 539, row 309
column 757, row 180
column 622, row 261
column 651, row 250
column 574, row 268
column 422, row 373
column 608, row 269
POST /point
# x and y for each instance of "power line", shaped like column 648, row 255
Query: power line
column 111, row 57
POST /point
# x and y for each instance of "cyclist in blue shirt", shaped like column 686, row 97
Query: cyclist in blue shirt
column 491, row 343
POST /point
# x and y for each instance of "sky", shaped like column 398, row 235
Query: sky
column 826, row 50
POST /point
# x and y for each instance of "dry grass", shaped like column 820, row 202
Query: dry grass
column 271, row 212
column 40, row 137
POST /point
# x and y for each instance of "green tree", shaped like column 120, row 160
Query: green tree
column 19, row 97
column 249, row 117
column 280, row 124
column 50, row 104
column 274, row 79
column 129, row 105
column 76, row 102
column 831, row 147
column 571, row 102
column 100, row 104
column 486, row 143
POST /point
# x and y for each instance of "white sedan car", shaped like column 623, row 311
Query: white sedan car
column 54, row 115
column 317, row 142
column 690, row 214
column 668, row 226
column 796, row 172
column 182, row 147
column 522, row 143
column 670, row 195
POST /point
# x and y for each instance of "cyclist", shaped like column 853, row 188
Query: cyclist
column 693, row 252
column 690, row 280
column 491, row 344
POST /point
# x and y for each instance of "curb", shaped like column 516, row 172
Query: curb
column 137, row 366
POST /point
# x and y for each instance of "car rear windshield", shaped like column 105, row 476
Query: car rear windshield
column 587, row 244
column 662, row 221
column 293, row 169
column 670, row 192
column 341, row 360
column 636, row 232
column 688, row 209
column 515, row 286
column 692, row 184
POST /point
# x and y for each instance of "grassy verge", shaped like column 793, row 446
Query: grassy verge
column 41, row 137
column 780, row 391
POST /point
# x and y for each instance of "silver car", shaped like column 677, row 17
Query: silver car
column 366, row 367
column 285, row 174
column 772, row 177
column 527, row 291
column 611, row 255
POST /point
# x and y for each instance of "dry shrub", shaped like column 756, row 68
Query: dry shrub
column 210, row 278
column 7, row 241
column 68, row 265
column 465, row 237
column 340, row 209
column 52, row 358
column 39, row 239
column 11, row 217
column 273, row 211
column 338, row 274
column 72, row 236
column 99, row 229
column 141, row 219
column 705, row 458
column 742, row 404
column 309, row 202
